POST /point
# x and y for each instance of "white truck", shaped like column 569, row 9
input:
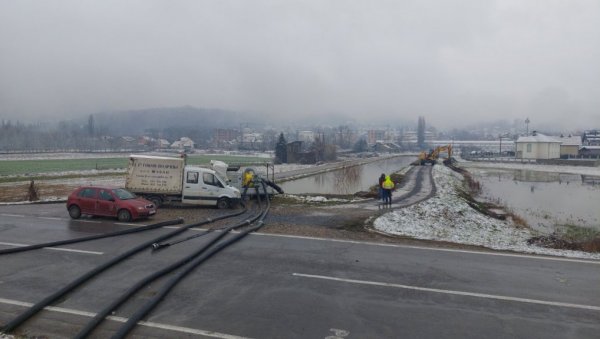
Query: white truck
column 167, row 180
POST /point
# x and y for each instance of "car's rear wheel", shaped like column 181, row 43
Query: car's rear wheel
column 124, row 215
column 223, row 203
column 74, row 212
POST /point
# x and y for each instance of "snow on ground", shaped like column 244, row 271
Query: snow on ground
column 321, row 199
column 447, row 217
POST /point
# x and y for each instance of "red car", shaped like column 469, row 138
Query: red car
column 109, row 202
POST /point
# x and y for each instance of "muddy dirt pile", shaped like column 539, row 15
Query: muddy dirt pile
column 557, row 242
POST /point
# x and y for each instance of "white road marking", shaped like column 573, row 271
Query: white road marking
column 173, row 328
column 90, row 221
column 12, row 215
column 51, row 218
column 499, row 254
column 54, row 248
column 462, row 293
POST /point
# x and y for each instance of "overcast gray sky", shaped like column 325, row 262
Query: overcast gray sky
column 451, row 61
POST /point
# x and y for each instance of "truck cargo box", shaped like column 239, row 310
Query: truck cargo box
column 154, row 174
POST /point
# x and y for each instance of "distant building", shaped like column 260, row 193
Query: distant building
column 375, row 135
column 184, row 143
column 306, row 136
column 537, row 146
column 590, row 151
column 386, row 147
column 569, row 147
column 591, row 138
column 146, row 141
column 223, row 137
column 411, row 137
column 163, row 143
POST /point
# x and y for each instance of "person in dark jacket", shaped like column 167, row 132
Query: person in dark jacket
column 381, row 180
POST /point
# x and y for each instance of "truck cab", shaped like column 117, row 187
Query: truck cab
column 202, row 186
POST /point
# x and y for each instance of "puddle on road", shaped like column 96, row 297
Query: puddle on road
column 348, row 180
column 548, row 201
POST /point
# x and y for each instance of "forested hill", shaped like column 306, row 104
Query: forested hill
column 137, row 122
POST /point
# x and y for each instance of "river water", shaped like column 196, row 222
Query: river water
column 348, row 180
column 548, row 201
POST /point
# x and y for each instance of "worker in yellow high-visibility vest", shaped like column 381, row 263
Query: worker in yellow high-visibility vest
column 248, row 177
column 388, row 186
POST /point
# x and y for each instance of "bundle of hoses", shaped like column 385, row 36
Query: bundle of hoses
column 13, row 324
column 193, row 260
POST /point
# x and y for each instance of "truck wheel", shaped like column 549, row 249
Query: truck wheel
column 74, row 212
column 223, row 203
column 157, row 201
column 124, row 215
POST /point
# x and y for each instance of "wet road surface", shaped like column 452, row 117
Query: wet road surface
column 270, row 286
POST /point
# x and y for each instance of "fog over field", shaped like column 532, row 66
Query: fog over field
column 454, row 62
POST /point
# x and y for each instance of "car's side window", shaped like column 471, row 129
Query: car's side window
column 192, row 178
column 87, row 193
column 105, row 195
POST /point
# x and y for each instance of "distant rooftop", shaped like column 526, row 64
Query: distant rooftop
column 571, row 141
column 538, row 137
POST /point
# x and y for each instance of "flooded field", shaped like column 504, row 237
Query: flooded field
column 548, row 201
column 348, row 180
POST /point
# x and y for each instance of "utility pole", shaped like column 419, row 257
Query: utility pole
column 527, row 127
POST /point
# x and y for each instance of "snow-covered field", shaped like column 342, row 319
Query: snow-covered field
column 447, row 217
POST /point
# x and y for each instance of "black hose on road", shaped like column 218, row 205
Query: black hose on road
column 152, row 303
column 100, row 316
column 91, row 237
column 160, row 246
column 13, row 324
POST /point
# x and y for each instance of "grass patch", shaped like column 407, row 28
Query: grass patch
column 29, row 167
column 577, row 233
column 229, row 159
column 35, row 167
column 56, row 177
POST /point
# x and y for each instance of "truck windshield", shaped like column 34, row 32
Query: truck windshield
column 123, row 194
column 221, row 180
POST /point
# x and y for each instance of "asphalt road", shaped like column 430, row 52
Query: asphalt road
column 270, row 286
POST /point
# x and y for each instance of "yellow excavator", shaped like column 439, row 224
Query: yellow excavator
column 433, row 155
